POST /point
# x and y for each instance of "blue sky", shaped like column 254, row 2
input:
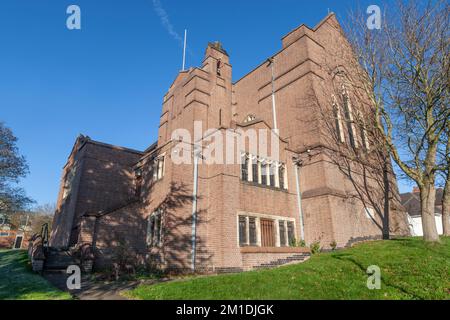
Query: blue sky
column 108, row 79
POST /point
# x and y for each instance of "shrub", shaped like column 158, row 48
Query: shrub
column 125, row 261
column 315, row 247
column 295, row 243
column 333, row 245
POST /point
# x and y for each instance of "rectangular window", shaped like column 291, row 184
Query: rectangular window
column 349, row 120
column 290, row 231
column 160, row 168
column 255, row 170
column 157, row 239
column 364, row 138
column 154, row 228
column 244, row 167
column 272, row 169
column 282, row 229
column 157, row 169
column 150, row 229
column 264, row 174
column 4, row 234
column 242, row 231
column 338, row 124
column 252, row 231
column 281, row 172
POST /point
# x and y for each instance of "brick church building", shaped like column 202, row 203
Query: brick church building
column 238, row 216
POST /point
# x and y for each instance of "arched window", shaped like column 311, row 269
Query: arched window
column 363, row 131
column 154, row 228
column 349, row 120
column 338, row 121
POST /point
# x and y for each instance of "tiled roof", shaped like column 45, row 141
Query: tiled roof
column 411, row 202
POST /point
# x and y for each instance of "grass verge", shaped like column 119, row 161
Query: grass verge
column 410, row 269
column 18, row 282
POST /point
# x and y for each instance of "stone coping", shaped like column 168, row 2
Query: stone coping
column 292, row 250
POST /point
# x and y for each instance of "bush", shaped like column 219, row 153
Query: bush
column 295, row 243
column 125, row 262
column 333, row 245
column 315, row 247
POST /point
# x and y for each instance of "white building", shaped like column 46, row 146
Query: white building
column 411, row 202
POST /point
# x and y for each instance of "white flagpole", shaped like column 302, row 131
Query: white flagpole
column 184, row 49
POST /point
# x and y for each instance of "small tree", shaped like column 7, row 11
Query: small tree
column 12, row 167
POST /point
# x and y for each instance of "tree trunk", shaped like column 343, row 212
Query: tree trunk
column 446, row 208
column 386, row 228
column 446, row 195
column 428, row 201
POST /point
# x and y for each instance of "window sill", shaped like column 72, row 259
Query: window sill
column 254, row 184
column 274, row 250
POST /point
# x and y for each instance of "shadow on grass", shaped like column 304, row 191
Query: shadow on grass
column 17, row 281
column 347, row 257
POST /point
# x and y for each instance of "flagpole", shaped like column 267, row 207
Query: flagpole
column 184, row 49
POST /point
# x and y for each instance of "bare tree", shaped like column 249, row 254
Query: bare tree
column 404, row 79
column 43, row 214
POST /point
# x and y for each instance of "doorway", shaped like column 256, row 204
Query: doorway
column 18, row 242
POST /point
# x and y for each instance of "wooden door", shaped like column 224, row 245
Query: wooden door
column 267, row 233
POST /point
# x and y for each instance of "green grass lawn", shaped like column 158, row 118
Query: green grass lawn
column 410, row 269
column 18, row 282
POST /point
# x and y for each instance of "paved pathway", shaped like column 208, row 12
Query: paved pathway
column 90, row 289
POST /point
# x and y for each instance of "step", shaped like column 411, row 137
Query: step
column 280, row 262
column 58, row 259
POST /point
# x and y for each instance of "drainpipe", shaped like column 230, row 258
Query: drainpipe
column 297, row 166
column 274, row 109
column 194, row 209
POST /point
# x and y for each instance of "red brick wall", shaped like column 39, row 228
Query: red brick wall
column 104, row 179
column 330, row 209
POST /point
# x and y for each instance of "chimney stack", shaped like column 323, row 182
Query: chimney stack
column 416, row 190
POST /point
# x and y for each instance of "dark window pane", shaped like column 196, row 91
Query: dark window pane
column 337, row 123
column 264, row 174
column 242, row 231
column 291, row 235
column 272, row 176
column 244, row 168
column 150, row 229
column 282, row 233
column 252, row 231
column 281, row 176
column 157, row 229
column 255, row 170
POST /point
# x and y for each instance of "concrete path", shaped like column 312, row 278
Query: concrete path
column 91, row 289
